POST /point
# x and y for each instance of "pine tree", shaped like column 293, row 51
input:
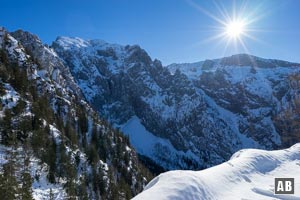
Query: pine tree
column 82, row 189
column 50, row 158
column 71, row 134
column 2, row 89
column 19, row 107
column 39, row 140
column 24, row 126
column 101, row 182
column 102, row 146
column 95, row 137
column 25, row 190
column 26, row 179
column 63, row 159
column 70, row 189
column 19, row 80
column 93, row 157
column 8, row 137
column 8, row 184
column 51, row 195
column 83, row 121
column 3, row 56
column 71, row 176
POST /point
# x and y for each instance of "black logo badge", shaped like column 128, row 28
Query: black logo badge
column 284, row 186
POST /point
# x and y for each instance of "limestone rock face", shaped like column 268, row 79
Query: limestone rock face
column 199, row 113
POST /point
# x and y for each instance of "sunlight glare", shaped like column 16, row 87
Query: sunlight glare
column 235, row 29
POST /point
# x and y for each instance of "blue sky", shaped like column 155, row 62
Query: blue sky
column 170, row 30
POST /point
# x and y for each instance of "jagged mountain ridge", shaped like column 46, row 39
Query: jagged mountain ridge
column 183, row 116
column 45, row 122
column 130, row 83
column 253, row 88
column 199, row 113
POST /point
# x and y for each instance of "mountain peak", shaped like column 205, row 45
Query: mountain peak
column 76, row 43
column 103, row 53
column 254, row 61
column 71, row 42
column 238, row 60
column 26, row 37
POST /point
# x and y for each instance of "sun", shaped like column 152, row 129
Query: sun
column 235, row 29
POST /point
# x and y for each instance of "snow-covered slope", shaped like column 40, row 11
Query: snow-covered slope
column 63, row 148
column 249, row 174
column 122, row 82
column 155, row 147
column 261, row 94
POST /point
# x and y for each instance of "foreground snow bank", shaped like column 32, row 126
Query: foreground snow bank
column 249, row 174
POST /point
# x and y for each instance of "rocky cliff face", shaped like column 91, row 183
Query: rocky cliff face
column 258, row 92
column 182, row 116
column 195, row 115
column 122, row 82
column 47, row 59
column 50, row 133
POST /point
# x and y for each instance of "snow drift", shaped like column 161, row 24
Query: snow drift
column 249, row 174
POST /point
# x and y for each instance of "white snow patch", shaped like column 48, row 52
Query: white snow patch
column 10, row 99
column 68, row 42
column 41, row 187
column 56, row 134
column 146, row 143
column 249, row 174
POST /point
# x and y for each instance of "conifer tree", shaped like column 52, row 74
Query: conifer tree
column 8, row 136
column 51, row 195
column 8, row 184
column 82, row 190
column 25, row 190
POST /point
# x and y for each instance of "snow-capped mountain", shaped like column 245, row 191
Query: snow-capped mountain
column 249, row 174
column 182, row 116
column 187, row 116
column 53, row 145
column 127, row 87
column 262, row 94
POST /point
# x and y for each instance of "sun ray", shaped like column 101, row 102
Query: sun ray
column 259, row 30
column 225, row 47
column 244, row 46
column 215, row 37
column 195, row 5
column 254, row 38
column 210, row 39
column 236, row 26
column 244, row 7
column 222, row 10
column 233, row 9
column 253, row 14
column 252, row 60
